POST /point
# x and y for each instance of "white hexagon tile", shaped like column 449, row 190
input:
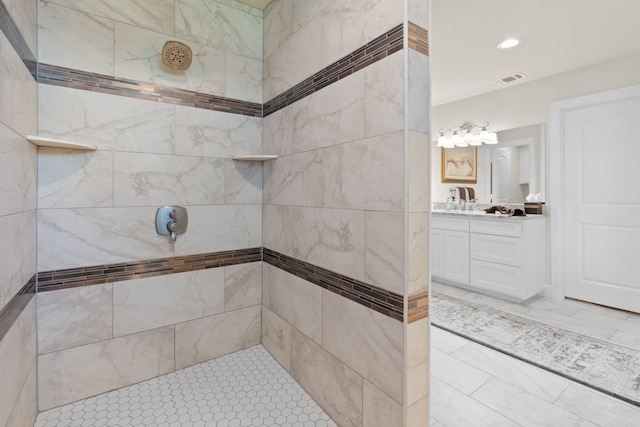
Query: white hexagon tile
column 247, row 388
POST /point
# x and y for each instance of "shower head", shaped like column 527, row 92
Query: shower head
column 176, row 55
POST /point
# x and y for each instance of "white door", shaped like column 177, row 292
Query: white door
column 601, row 203
column 500, row 160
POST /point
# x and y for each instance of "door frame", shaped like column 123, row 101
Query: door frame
column 556, row 151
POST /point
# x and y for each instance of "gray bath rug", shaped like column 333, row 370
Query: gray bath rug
column 601, row 365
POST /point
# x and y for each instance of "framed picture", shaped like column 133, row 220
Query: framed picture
column 460, row 164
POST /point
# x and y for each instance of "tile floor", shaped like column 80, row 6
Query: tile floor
column 247, row 388
column 474, row 386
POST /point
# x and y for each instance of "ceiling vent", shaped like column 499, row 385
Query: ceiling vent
column 512, row 78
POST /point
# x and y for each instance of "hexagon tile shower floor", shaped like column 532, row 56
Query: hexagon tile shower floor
column 247, row 388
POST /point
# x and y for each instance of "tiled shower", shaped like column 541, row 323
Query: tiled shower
column 319, row 255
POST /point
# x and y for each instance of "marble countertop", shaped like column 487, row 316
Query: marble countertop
column 483, row 214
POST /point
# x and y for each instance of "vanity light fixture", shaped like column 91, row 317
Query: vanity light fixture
column 508, row 43
column 463, row 136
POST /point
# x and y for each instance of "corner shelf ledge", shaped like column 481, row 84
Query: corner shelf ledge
column 256, row 158
column 41, row 141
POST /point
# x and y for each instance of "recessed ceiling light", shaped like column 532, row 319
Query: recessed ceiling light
column 508, row 43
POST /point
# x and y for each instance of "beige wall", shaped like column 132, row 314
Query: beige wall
column 528, row 104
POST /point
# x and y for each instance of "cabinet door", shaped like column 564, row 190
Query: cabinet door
column 503, row 279
column 436, row 253
column 456, row 256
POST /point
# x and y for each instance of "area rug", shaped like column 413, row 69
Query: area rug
column 601, row 365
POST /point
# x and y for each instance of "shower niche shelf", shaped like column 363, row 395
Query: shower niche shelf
column 41, row 141
column 256, row 158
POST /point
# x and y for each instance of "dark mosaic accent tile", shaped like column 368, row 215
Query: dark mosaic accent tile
column 60, row 76
column 375, row 50
column 418, row 39
column 13, row 309
column 378, row 299
column 96, row 275
column 418, row 307
column 11, row 32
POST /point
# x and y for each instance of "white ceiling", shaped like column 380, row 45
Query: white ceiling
column 557, row 36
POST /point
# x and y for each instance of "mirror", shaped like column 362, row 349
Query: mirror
column 515, row 167
column 507, row 172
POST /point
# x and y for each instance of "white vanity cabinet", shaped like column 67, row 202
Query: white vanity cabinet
column 449, row 249
column 504, row 256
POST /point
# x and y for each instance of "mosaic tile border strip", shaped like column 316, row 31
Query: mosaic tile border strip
column 76, row 79
column 418, row 38
column 388, row 303
column 13, row 309
column 77, row 277
column 11, row 32
column 377, row 49
column 418, row 307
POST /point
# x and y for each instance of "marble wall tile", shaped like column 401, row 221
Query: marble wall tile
column 19, row 108
column 336, row 387
column 69, row 238
column 384, row 258
column 299, row 179
column 138, row 56
column 329, row 238
column 368, row 342
column 419, row 95
column 276, row 337
column 17, row 253
column 419, row 172
column 278, row 24
column 418, row 12
column 305, row 10
column 349, row 24
column 110, row 122
column 26, row 408
column 418, row 276
column 330, row 116
column 384, row 95
column 17, row 172
column 149, row 303
column 365, row 175
column 418, row 414
column 75, row 39
column 217, row 25
column 369, row 174
column 221, row 228
column 24, row 14
column 157, row 179
column 417, row 361
column 208, row 133
column 244, row 7
column 293, row 299
column 158, row 15
column 379, row 410
column 74, row 317
column 18, row 355
column 74, row 179
column 242, row 182
column 214, row 336
column 244, row 78
column 242, row 285
column 298, row 58
column 69, row 375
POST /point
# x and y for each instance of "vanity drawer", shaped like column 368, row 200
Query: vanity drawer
column 503, row 279
column 500, row 249
column 454, row 224
column 498, row 227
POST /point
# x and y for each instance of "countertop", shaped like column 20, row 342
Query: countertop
column 483, row 214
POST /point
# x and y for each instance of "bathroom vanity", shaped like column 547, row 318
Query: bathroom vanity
column 496, row 254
